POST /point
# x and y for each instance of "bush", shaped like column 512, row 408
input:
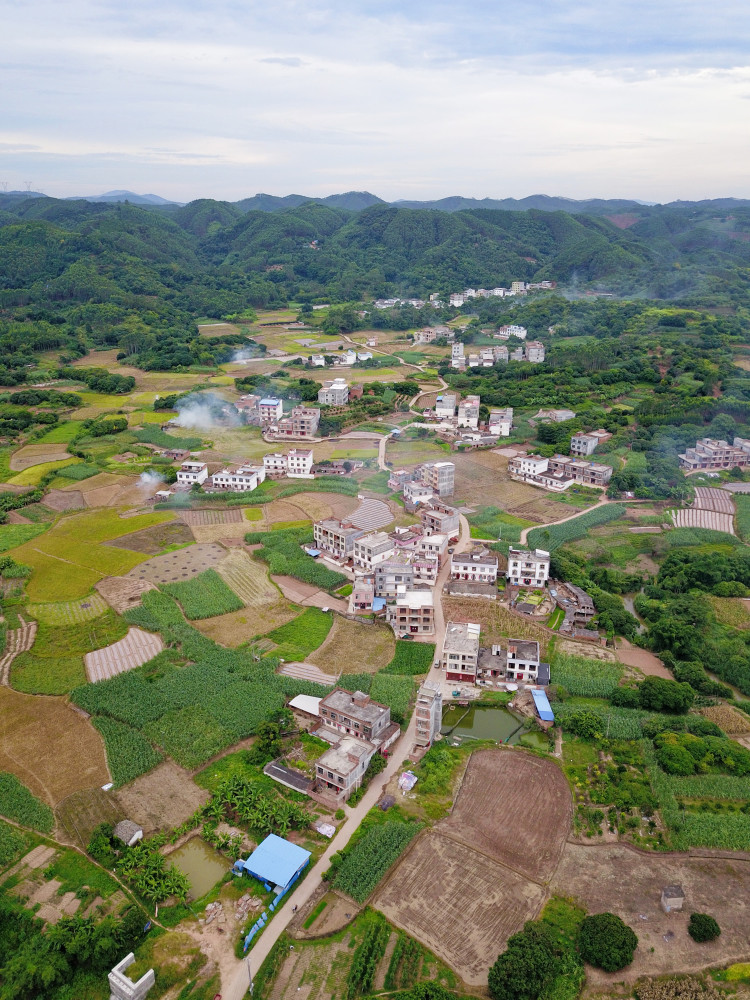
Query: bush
column 607, row 942
column 530, row 962
column 702, row 927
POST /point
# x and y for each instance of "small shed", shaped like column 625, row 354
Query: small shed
column 128, row 832
column 306, row 704
column 543, row 708
column 672, row 898
column 276, row 862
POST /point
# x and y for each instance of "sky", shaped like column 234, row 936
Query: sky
column 646, row 99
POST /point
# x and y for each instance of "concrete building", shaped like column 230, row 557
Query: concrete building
column 398, row 571
column 334, row 392
column 428, row 714
column 416, row 493
column 479, row 565
column 243, row 479
column 528, row 465
column 468, row 412
column 339, row 771
column 457, row 355
column 460, row 654
column 372, row 549
column 190, row 473
column 534, row 351
column 501, row 422
column 445, row 406
column 318, row 360
column 301, row 423
column 354, row 714
column 434, row 546
column 248, row 406
column 440, row 519
column 275, row 464
column 270, row 410
column 336, row 537
column 441, row 476
column 710, row 453
column 300, row 463
column 412, row 612
column 511, row 330
column 554, row 416
column 589, row 473
column 559, row 472
column 583, row 444
column 527, row 568
column 519, row 663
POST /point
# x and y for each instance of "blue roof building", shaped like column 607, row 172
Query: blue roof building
column 543, row 707
column 275, row 862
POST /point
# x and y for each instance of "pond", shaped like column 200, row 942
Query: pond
column 203, row 865
column 481, row 722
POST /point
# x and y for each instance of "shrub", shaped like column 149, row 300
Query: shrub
column 607, row 942
column 702, row 927
column 529, row 963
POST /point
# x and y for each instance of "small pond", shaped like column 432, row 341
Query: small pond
column 203, row 865
column 481, row 722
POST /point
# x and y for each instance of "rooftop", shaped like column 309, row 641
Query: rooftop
column 276, row 860
column 357, row 705
column 415, row 598
column 461, row 637
column 346, row 755
column 526, row 649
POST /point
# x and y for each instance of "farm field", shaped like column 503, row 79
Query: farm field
column 496, row 621
column 69, row 558
column 80, row 813
column 626, row 882
column 473, row 867
column 162, row 799
column 39, row 454
column 69, row 612
column 354, row 648
column 204, row 596
column 707, row 498
column 136, row 648
column 184, row 564
column 482, row 478
column 700, row 518
column 52, row 749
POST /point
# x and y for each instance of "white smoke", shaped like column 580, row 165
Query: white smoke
column 245, row 354
column 150, row 480
column 204, row 412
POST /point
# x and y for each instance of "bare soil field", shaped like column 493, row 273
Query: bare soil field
column 641, row 659
column 97, row 482
column 154, row 539
column 338, row 912
column 353, row 648
column 123, row 592
column 629, row 883
column 136, row 648
column 180, row 565
column 462, row 905
column 61, row 500
column 80, row 813
column 317, row 506
column 515, row 808
column 37, row 454
column 284, row 510
column 226, row 534
column 482, row 478
column 162, row 799
column 241, row 626
column 51, row 748
column 307, row 594
column 497, row 621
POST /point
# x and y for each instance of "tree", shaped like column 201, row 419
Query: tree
column 702, row 927
column 529, row 963
column 607, row 942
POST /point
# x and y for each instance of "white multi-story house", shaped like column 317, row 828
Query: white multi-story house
column 479, row 565
column 412, row 612
column 518, row 663
column 529, row 465
column 468, row 412
column 434, row 546
column 557, row 473
column 535, row 351
column 440, row 476
column 583, row 444
column 511, row 330
column 460, row 654
column 501, row 422
column 336, row 537
column 418, row 492
column 300, row 463
column 275, row 464
column 370, row 550
column 270, row 410
column 192, row 472
column 710, row 453
column 457, row 355
column 518, row 288
column 445, row 406
column 428, row 713
column 339, row 771
column 457, row 300
column 318, row 360
column 243, row 479
column 527, row 568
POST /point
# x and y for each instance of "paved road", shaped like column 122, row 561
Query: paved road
column 238, row 986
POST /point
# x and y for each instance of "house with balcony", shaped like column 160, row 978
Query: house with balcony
column 478, row 565
column 710, row 453
column 372, row 549
column 242, row 479
column 412, row 612
column 339, row 771
column 460, row 654
column 334, row 392
column 336, row 538
column 428, row 713
column 518, row 663
column 468, row 411
column 190, row 473
column 301, row 423
column 528, row 568
column 439, row 519
column 346, row 713
column 270, row 410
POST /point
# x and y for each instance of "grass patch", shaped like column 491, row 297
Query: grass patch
column 742, row 517
column 205, row 596
column 13, row 535
column 494, row 523
column 291, row 525
column 253, row 514
column 151, row 434
column 584, row 677
column 62, row 433
column 75, row 871
column 17, row 803
column 411, row 657
column 301, row 636
column 315, row 914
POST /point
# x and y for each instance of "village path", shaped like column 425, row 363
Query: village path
column 238, row 986
column 548, row 524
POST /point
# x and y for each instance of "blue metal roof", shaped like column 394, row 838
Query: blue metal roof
column 378, row 603
column 313, row 552
column 269, row 401
column 276, row 861
column 543, row 706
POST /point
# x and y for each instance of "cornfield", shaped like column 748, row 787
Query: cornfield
column 17, row 803
column 585, row 678
column 555, row 535
column 368, row 861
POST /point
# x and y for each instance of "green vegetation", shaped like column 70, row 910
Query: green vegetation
column 204, row 596
column 494, row 523
column 310, row 920
column 584, row 677
column 362, row 866
column 151, row 434
column 79, row 472
column 281, row 550
column 607, row 942
column 530, row 963
column 367, row 955
column 17, row 803
column 411, row 657
column 555, row 535
column 396, row 692
column 702, row 927
column 129, row 753
column 12, row 535
column 12, row 844
column 301, row 636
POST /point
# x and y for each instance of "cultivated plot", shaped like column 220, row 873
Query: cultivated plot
column 136, row 648
column 184, row 564
column 162, row 799
column 697, row 518
column 352, row 647
column 707, row 498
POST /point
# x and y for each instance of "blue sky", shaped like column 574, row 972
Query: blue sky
column 423, row 99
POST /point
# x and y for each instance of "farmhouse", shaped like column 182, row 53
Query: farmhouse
column 334, row 393
column 558, row 473
column 460, row 655
column 416, row 493
column 190, row 473
column 412, row 612
column 270, row 410
column 526, row 568
column 339, row 771
column 445, row 406
column 440, row 476
column 336, row 537
column 128, row 832
column 554, row 416
column 242, row 479
column 534, row 352
column 500, row 422
column 301, row 423
column 275, row 862
column 712, row 454
column 518, row 663
column 439, row 518
column 345, row 714
column 583, row 445
column 479, row 565
column 468, row 412
column 370, row 550
column 576, row 603
column 428, row 714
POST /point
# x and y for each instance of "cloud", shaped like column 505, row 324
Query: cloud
column 293, row 61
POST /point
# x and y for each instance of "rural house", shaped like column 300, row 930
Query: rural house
column 460, row 655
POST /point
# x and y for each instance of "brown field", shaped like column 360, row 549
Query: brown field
column 496, row 815
column 37, row 454
column 482, row 478
column 241, row 626
column 641, row 659
column 354, row 648
column 180, row 565
column 97, row 482
column 727, row 718
column 154, row 539
column 249, row 580
column 226, row 534
column 472, row 869
column 496, row 621
column 48, row 746
column 317, row 506
column 60, row 500
column 123, row 592
column 283, row 510
column 627, row 882
column 80, row 813
column 461, row 905
column 162, row 799
column 202, row 518
column 217, row 329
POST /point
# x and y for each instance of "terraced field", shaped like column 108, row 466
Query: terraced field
column 69, row 612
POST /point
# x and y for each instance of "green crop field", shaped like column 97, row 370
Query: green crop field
column 34, row 475
column 366, row 863
column 129, row 753
column 584, row 677
column 492, row 522
column 69, row 612
column 396, row 692
column 62, row 433
column 18, row 804
column 299, row 637
column 411, row 657
column 13, row 843
column 13, row 535
column 555, row 535
column 205, row 596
